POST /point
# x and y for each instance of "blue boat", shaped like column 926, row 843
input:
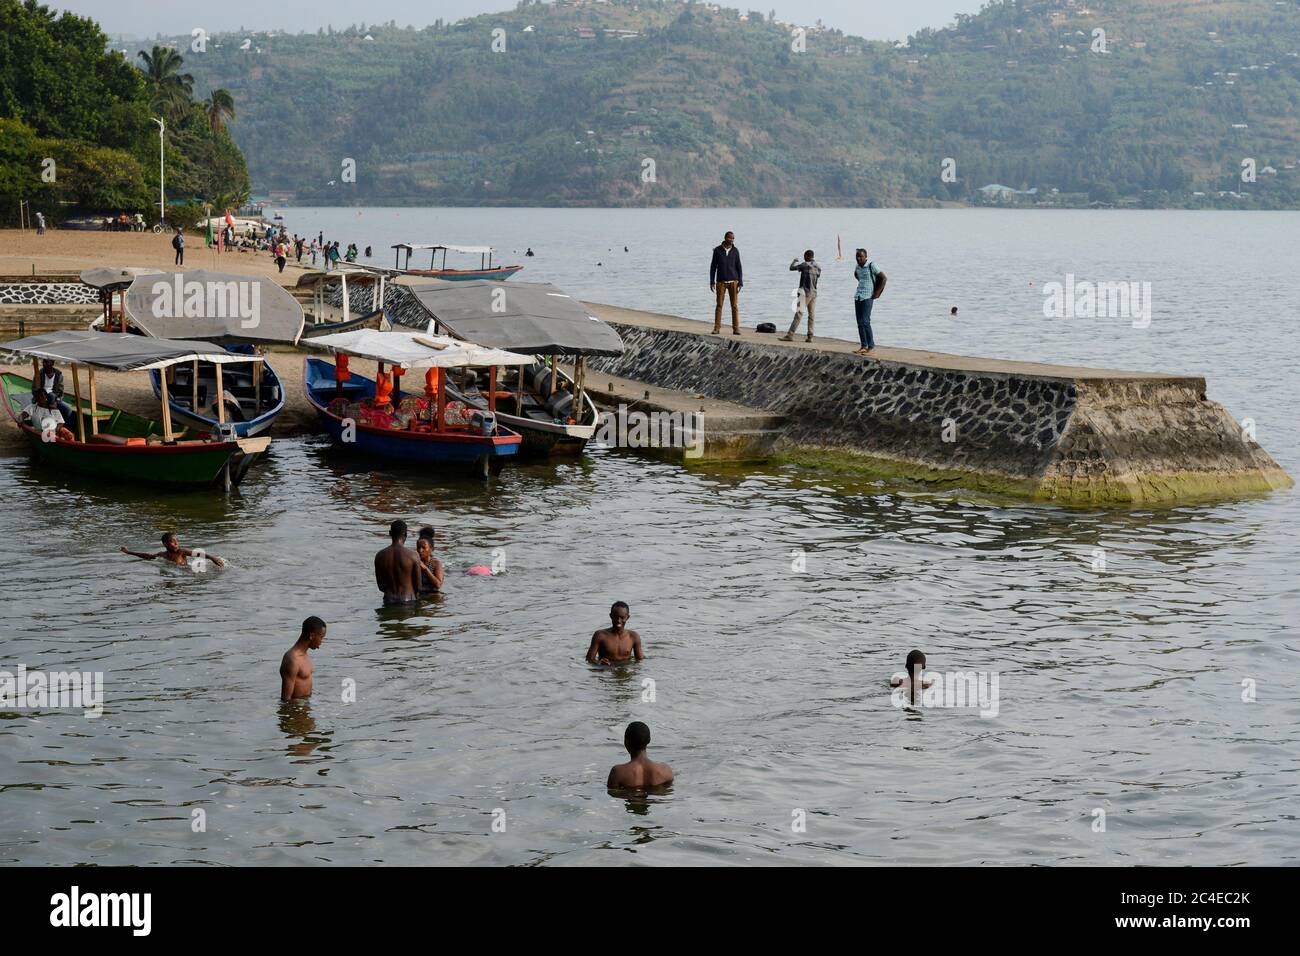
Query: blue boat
column 252, row 392
column 477, row 443
column 485, row 271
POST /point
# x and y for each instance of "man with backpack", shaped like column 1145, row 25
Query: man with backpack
column 178, row 243
column 871, row 285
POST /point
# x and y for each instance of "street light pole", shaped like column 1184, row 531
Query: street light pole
column 162, row 196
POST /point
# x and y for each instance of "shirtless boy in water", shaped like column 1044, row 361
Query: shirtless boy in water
column 615, row 644
column 909, row 683
column 397, row 569
column 175, row 554
column 296, row 667
column 640, row 772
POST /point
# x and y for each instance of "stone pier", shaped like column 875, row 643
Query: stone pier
column 1076, row 436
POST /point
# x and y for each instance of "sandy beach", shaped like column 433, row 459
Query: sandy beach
column 71, row 250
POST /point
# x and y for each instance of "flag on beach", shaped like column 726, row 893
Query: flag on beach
column 209, row 232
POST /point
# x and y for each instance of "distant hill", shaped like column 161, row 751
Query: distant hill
column 666, row 103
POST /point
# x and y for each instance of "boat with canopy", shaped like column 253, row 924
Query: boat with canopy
column 485, row 270
column 323, row 318
column 112, row 283
column 108, row 442
column 550, row 408
column 375, row 417
column 242, row 314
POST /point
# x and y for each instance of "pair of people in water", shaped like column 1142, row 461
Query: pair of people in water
column 404, row 575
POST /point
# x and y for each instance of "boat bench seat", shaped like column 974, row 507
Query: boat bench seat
column 107, row 439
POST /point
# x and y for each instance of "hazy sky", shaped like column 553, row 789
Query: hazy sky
column 876, row 19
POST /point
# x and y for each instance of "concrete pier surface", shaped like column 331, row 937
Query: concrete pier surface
column 1075, row 436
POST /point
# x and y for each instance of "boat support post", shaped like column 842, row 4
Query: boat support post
column 76, row 391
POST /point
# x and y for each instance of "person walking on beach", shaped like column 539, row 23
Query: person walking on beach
column 726, row 278
column 40, row 224
column 298, row 242
column 809, row 272
column 640, row 772
column 281, row 254
column 871, row 283
column 296, row 667
column 178, row 243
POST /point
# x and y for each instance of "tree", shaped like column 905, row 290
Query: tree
column 219, row 107
column 169, row 88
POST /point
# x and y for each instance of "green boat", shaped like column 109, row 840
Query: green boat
column 108, row 442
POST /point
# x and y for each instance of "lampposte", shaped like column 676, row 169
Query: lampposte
column 162, row 196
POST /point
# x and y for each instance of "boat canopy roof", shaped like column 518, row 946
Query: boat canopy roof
column 473, row 250
column 214, row 305
column 118, row 352
column 532, row 317
column 414, row 350
column 115, row 278
column 349, row 269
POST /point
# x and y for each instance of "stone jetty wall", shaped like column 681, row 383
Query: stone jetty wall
column 1086, row 440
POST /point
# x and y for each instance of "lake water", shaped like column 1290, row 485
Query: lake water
column 1120, row 690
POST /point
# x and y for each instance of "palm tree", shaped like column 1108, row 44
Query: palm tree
column 219, row 107
column 170, row 87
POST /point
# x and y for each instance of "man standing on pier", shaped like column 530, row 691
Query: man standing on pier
column 726, row 277
column 809, row 272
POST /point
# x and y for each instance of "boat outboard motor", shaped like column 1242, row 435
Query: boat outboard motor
column 227, row 431
column 485, row 421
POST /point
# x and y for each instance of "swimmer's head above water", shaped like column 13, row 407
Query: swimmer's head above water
column 313, row 632
column 915, row 659
column 619, row 613
column 636, row 738
column 397, row 531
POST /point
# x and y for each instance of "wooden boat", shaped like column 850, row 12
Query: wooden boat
column 485, row 271
column 552, row 410
column 431, row 430
column 110, row 443
column 540, row 407
column 377, row 320
column 252, row 391
column 256, row 396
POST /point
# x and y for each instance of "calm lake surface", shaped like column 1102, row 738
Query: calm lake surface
column 1119, row 690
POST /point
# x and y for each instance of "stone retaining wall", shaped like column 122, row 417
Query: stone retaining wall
column 47, row 293
column 1081, row 441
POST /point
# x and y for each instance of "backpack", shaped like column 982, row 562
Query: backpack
column 879, row 289
column 176, row 241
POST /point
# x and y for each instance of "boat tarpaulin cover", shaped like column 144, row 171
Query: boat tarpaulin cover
column 532, row 317
column 214, row 305
column 119, row 352
column 108, row 278
column 414, row 350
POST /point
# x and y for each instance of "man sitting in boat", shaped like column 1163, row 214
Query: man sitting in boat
column 50, row 382
column 45, row 416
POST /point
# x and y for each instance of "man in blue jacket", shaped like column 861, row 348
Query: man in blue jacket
column 726, row 277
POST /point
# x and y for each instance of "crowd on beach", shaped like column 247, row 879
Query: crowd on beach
column 276, row 240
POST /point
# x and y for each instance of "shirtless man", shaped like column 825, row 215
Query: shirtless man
column 640, row 772
column 431, row 574
column 397, row 569
column 908, row 684
column 296, row 667
column 615, row 644
column 175, row 554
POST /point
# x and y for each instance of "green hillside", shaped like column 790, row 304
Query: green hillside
column 730, row 113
